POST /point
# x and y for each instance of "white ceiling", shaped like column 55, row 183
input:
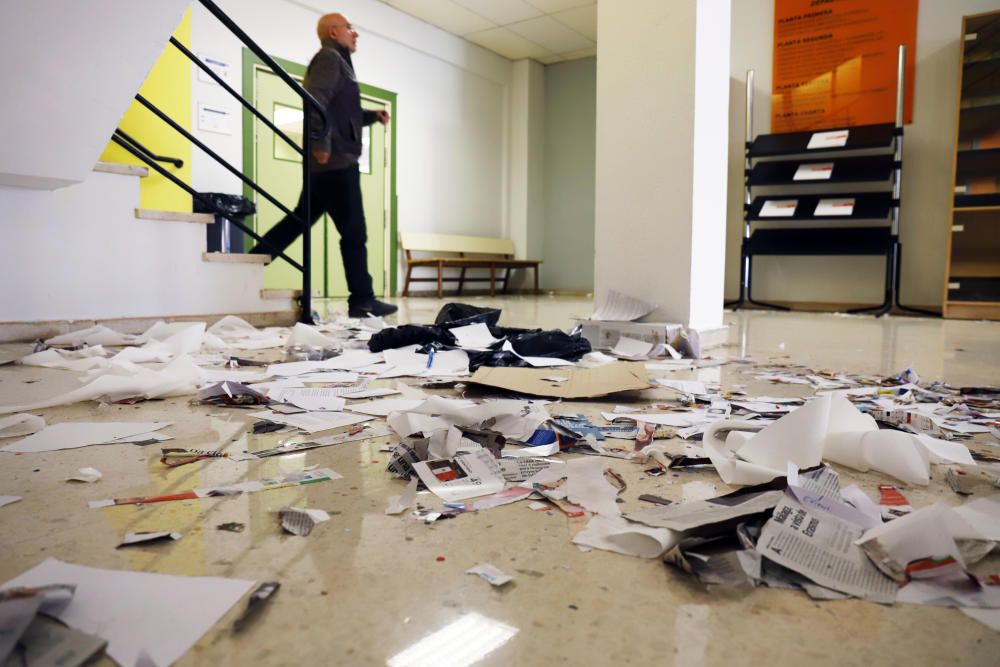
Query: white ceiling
column 549, row 31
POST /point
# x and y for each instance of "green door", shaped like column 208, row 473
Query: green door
column 278, row 169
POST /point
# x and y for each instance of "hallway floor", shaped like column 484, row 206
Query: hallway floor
column 365, row 587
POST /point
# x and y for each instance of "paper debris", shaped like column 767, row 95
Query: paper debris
column 491, row 574
column 582, row 383
column 618, row 307
column 893, row 503
column 70, row 435
column 312, row 422
column 257, row 601
column 697, row 491
column 292, row 479
column 22, row 424
column 105, row 604
column 700, row 513
column 131, row 539
column 299, row 521
column 9, row 500
column 87, row 475
column 313, row 398
column 231, row 527
column 465, row 476
column 614, row 533
column 404, row 501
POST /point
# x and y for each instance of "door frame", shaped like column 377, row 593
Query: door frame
column 251, row 63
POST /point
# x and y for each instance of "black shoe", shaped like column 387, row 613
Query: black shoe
column 373, row 307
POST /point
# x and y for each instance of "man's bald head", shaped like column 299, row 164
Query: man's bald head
column 335, row 26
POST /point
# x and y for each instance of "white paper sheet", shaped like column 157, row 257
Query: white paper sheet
column 314, row 398
column 9, row 500
column 779, row 208
column 614, row 533
column 15, row 425
column 618, row 307
column 95, row 335
column 304, row 335
column 178, row 378
column 633, row 349
column 474, row 336
column 684, row 386
column 490, row 573
column 70, row 435
column 383, row 407
column 70, row 360
column 406, row 361
column 159, row 614
column 405, row 500
column 831, row 139
column 312, row 422
column 817, row 171
column 585, row 484
column 843, row 206
column 330, row 377
column 536, row 362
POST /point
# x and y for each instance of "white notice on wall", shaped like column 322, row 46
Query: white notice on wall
column 778, row 208
column 218, row 66
column 212, row 118
column 834, row 139
column 835, row 206
column 816, row 171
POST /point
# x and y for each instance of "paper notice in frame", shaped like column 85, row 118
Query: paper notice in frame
column 817, row 171
column 833, row 139
column 842, row 207
column 779, row 208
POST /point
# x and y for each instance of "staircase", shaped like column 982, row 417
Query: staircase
column 118, row 263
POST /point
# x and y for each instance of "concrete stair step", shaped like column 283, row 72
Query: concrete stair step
column 174, row 216
column 235, row 257
column 124, row 169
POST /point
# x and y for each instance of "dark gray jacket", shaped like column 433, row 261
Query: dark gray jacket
column 330, row 79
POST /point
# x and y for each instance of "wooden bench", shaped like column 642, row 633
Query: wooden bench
column 489, row 253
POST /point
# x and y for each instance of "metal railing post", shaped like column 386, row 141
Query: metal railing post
column 307, row 217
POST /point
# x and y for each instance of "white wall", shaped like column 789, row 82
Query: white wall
column 452, row 121
column 68, row 79
column 927, row 159
column 570, row 120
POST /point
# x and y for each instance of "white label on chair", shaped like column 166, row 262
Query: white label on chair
column 954, row 285
column 819, row 171
column 835, row 206
column 778, row 208
column 958, row 228
column 834, row 139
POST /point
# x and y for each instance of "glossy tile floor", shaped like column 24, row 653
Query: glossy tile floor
column 371, row 589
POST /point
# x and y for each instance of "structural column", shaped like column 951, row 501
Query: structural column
column 662, row 142
column 527, row 163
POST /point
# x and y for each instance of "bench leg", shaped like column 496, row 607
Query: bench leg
column 506, row 279
column 406, row 283
column 440, row 279
column 493, row 280
column 461, row 280
column 536, row 279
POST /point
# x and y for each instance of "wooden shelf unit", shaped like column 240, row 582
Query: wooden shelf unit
column 972, row 274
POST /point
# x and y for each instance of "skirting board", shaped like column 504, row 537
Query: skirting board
column 828, row 307
column 18, row 332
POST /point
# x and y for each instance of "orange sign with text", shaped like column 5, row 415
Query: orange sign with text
column 835, row 62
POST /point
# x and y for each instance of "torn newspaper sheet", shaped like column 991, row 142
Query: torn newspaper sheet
column 465, row 476
column 822, row 548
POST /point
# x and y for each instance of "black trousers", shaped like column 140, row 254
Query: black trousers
column 338, row 193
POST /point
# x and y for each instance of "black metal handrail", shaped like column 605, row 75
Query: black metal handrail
column 194, row 193
column 176, row 161
column 136, row 149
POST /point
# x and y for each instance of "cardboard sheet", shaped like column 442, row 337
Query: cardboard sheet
column 582, row 383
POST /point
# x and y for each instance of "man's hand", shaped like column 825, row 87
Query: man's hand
column 322, row 157
column 383, row 116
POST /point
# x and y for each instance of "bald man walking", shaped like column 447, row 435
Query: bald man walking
column 336, row 181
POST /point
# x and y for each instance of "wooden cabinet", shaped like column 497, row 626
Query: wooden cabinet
column 972, row 276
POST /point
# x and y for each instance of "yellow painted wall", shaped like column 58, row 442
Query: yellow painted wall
column 168, row 87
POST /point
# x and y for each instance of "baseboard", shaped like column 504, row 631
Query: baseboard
column 17, row 332
column 432, row 294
